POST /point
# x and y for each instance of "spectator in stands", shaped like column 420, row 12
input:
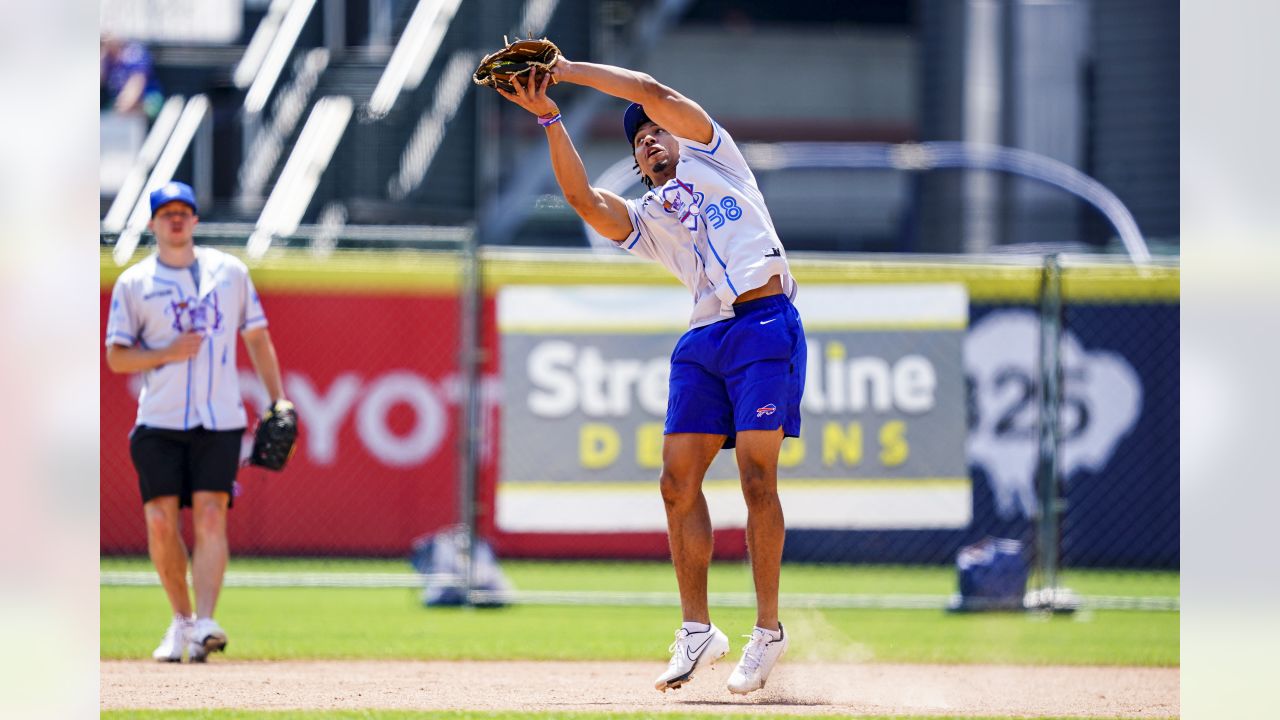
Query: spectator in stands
column 126, row 81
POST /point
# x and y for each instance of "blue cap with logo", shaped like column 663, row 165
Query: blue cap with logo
column 172, row 191
column 632, row 119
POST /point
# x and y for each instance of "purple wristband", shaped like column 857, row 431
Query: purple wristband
column 548, row 122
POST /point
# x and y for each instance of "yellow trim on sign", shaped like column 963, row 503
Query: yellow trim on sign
column 561, row 270
column 439, row 272
column 343, row 271
column 802, row 484
column 984, row 283
column 384, row 272
column 1101, row 284
column 988, row 283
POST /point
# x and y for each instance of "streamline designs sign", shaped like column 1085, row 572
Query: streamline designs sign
column 585, row 373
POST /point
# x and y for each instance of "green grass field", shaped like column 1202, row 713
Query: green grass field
column 278, row 623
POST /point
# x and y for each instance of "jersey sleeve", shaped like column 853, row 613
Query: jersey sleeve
column 640, row 242
column 252, row 316
column 722, row 152
column 122, row 326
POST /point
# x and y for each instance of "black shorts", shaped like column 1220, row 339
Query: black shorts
column 178, row 462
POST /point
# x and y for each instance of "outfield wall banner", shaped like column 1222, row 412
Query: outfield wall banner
column 1118, row 452
column 585, row 371
column 368, row 344
column 1119, row 446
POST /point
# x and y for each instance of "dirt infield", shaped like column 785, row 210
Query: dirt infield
column 795, row 688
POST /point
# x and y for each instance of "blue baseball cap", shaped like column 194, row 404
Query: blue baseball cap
column 175, row 190
column 632, row 119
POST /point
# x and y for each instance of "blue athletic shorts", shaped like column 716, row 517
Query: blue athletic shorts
column 741, row 373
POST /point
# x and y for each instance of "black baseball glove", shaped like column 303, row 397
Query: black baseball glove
column 275, row 436
column 498, row 69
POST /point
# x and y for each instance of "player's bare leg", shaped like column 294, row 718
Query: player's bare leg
column 169, row 556
column 208, row 564
column 209, row 561
column 685, row 459
column 757, row 452
column 168, row 552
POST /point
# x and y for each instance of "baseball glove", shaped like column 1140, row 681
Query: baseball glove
column 274, row 438
column 498, row 69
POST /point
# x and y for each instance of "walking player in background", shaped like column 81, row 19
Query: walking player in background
column 174, row 317
column 738, row 373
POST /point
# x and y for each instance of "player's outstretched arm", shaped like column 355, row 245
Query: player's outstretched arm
column 665, row 106
column 602, row 210
column 262, row 353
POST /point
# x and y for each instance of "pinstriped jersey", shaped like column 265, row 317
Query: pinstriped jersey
column 709, row 226
column 153, row 303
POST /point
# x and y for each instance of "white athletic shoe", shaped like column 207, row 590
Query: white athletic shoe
column 689, row 652
column 206, row 637
column 758, row 659
column 175, row 641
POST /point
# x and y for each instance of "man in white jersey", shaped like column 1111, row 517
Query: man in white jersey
column 738, row 373
column 174, row 318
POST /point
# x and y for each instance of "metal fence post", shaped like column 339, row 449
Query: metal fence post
column 1049, row 504
column 469, row 419
column 471, row 357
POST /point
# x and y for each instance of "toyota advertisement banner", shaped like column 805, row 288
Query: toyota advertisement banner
column 374, row 378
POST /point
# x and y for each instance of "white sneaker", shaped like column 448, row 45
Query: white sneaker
column 175, row 640
column 206, row 637
column 689, row 652
column 758, row 659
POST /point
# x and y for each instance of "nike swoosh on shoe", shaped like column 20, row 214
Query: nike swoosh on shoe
column 689, row 651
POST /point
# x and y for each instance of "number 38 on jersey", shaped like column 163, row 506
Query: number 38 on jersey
column 716, row 213
column 727, row 210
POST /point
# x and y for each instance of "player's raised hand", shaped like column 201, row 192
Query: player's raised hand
column 185, row 347
column 532, row 94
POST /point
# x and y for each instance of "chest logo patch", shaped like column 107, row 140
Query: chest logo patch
column 190, row 315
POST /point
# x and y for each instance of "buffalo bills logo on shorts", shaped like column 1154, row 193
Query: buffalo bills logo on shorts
column 766, row 410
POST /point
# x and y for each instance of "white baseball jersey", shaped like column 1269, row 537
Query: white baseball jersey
column 152, row 304
column 709, row 226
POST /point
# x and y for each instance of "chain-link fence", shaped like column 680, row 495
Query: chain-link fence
column 1120, row 421
column 925, row 417
column 923, row 426
column 1098, row 490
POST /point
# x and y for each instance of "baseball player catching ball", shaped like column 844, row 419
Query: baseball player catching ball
column 174, row 318
column 738, row 373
